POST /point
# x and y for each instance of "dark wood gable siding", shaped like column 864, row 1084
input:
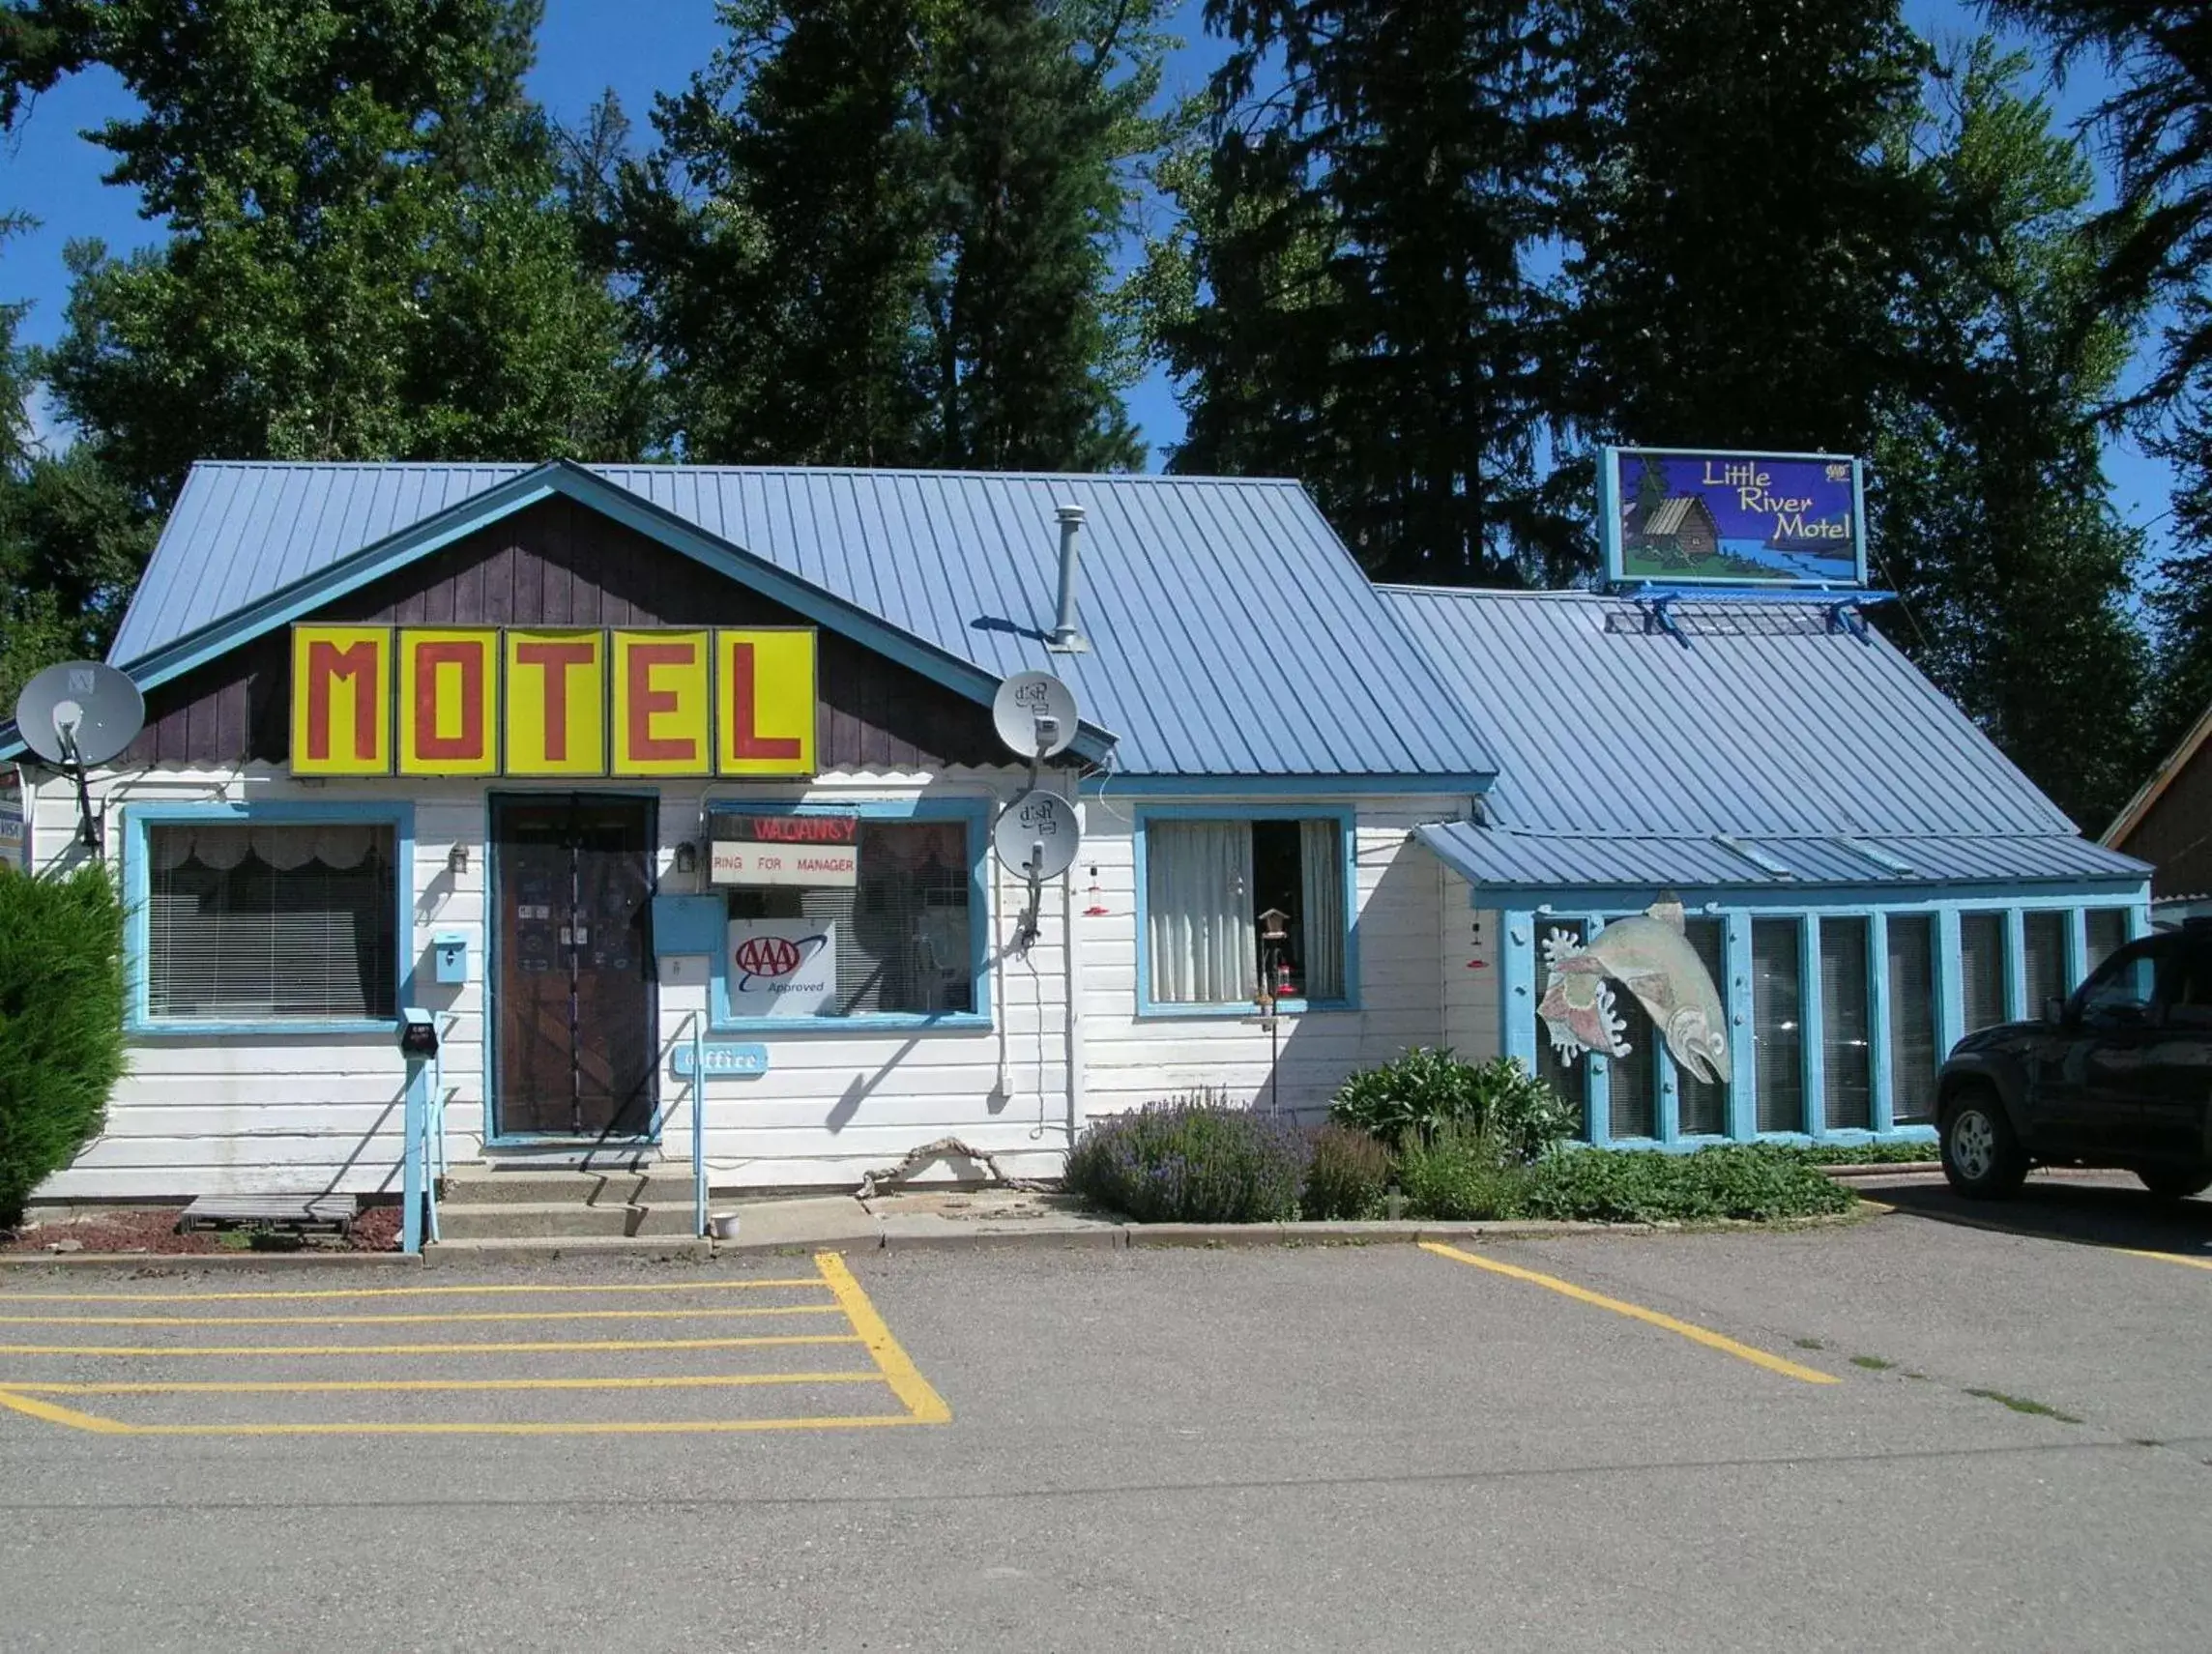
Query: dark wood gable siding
column 560, row 564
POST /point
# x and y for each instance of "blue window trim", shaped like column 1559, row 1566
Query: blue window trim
column 976, row 812
column 1347, row 840
column 1520, row 979
column 138, row 818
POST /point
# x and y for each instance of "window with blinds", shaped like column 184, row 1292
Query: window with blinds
column 1702, row 1108
column 2043, row 953
column 1981, row 969
column 904, row 934
column 1846, row 1067
column 1777, row 1020
column 1632, row 1087
column 2106, row 930
column 268, row 922
column 1912, row 1054
column 1569, row 1078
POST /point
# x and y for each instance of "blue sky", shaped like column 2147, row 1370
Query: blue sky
column 587, row 47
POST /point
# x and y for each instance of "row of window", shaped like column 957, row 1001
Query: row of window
column 290, row 921
column 1790, row 1093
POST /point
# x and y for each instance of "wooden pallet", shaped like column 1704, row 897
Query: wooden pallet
column 335, row 1212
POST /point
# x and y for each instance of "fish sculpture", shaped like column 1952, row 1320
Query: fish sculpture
column 1652, row 956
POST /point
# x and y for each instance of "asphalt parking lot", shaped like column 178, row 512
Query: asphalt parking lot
column 1913, row 1432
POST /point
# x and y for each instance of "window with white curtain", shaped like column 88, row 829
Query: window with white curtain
column 1847, row 1058
column 1912, row 1052
column 1207, row 883
column 271, row 921
column 2106, row 930
column 2042, row 952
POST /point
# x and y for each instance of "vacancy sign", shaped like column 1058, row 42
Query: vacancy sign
column 821, row 852
column 448, row 701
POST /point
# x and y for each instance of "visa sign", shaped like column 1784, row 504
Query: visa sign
column 450, row 701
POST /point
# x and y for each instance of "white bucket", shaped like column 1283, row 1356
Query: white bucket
column 723, row 1226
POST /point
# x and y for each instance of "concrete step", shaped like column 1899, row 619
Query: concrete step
column 536, row 1248
column 523, row 1220
column 475, row 1185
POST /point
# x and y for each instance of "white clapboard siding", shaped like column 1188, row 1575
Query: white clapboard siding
column 1129, row 1060
column 1467, row 965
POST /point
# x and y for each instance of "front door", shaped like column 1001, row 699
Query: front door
column 575, row 1011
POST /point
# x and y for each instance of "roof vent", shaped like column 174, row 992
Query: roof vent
column 1067, row 637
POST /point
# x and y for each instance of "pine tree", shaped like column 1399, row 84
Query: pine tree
column 1359, row 309
column 1992, row 515
column 878, row 232
column 1738, row 225
column 367, row 254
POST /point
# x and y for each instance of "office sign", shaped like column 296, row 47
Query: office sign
column 459, row 700
column 1679, row 516
column 748, row 847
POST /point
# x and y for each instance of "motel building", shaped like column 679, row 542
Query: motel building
column 665, row 796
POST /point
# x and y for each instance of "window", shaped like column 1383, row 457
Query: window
column 1913, row 1054
column 1633, row 1084
column 899, row 941
column 1845, row 1061
column 2124, row 988
column 2044, row 955
column 1982, row 969
column 1777, row 999
column 1207, row 883
column 1703, row 1109
column 270, row 922
column 1569, row 1077
column 2106, row 930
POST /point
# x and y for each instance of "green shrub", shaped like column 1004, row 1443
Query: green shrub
column 61, row 1021
column 1199, row 1159
column 1868, row 1153
column 1347, row 1176
column 1462, row 1176
column 1427, row 1090
column 1756, row 1181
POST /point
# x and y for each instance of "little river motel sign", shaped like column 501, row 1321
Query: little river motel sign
column 441, row 701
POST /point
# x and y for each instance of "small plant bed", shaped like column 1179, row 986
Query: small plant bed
column 1433, row 1138
column 153, row 1229
column 1870, row 1153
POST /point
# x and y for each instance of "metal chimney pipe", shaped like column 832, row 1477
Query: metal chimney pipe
column 1067, row 637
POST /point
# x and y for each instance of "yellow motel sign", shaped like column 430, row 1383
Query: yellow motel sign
column 457, row 700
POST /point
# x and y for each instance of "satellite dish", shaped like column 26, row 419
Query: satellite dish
column 79, row 713
column 1035, row 715
column 1038, row 836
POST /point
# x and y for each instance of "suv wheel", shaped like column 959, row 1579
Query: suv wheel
column 1982, row 1155
column 2168, row 1184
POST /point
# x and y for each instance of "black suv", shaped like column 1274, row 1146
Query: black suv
column 2117, row 1074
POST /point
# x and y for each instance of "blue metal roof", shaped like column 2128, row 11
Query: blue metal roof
column 1503, row 858
column 1770, row 750
column 1231, row 633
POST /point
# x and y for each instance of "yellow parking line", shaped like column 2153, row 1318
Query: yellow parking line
column 654, row 1427
column 410, row 1320
column 548, row 1348
column 318, row 1387
column 53, row 1414
column 898, row 1369
column 1637, row 1312
column 2168, row 1257
column 394, row 1292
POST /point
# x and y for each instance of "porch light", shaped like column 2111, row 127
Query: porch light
column 457, row 859
column 687, row 857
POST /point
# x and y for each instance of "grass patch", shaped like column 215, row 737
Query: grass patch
column 2021, row 1403
column 1809, row 1344
column 1873, row 1363
column 1751, row 1183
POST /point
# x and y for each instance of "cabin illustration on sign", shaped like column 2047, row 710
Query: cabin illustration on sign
column 1681, row 530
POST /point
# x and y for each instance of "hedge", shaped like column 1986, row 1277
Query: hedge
column 61, row 1021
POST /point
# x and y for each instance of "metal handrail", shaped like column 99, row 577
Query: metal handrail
column 698, row 1124
column 434, row 1147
